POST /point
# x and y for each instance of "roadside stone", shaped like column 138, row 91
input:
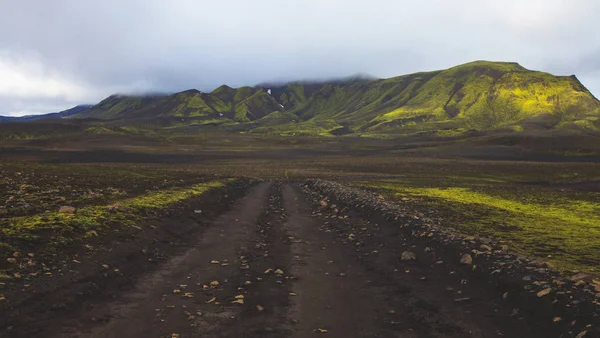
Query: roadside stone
column 407, row 256
column 12, row 260
column 581, row 276
column 544, row 292
column 581, row 334
column 65, row 209
column 485, row 247
column 466, row 259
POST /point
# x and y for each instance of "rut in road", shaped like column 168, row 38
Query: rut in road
column 272, row 266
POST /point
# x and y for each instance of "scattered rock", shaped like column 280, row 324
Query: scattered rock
column 278, row 272
column 485, row 247
column 581, row 334
column 544, row 292
column 260, row 308
column 407, row 256
column 12, row 260
column 466, row 259
column 581, row 276
column 65, row 209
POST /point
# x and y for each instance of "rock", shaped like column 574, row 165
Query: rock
column 175, row 335
column 65, row 209
column 323, row 203
column 581, row 276
column 260, row 308
column 197, row 212
column 278, row 272
column 214, row 284
column 407, row 256
column 544, row 292
column 581, row 334
column 466, row 259
column 596, row 285
column 485, row 247
column 113, row 208
column 12, row 260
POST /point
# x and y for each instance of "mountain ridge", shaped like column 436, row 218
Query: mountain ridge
column 480, row 95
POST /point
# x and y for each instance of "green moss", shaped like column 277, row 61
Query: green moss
column 567, row 230
column 128, row 212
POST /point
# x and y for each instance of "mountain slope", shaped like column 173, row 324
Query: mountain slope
column 63, row 114
column 479, row 95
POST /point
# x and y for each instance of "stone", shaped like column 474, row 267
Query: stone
column 408, row 256
column 544, row 292
column 466, row 259
column 581, row 276
column 65, row 209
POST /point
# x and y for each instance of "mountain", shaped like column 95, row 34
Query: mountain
column 480, row 95
column 58, row 115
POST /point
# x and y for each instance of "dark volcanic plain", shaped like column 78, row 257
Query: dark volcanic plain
column 239, row 236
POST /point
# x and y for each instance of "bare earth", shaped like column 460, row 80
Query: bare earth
column 275, row 264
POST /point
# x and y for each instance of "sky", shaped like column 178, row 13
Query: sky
column 57, row 54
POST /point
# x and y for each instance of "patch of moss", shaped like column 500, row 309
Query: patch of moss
column 94, row 219
column 563, row 231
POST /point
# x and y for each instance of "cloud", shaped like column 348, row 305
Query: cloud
column 68, row 51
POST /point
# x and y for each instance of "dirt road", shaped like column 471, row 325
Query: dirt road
column 277, row 265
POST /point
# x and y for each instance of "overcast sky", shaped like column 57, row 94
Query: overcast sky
column 56, row 54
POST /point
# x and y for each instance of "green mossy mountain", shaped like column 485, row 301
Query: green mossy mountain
column 480, row 95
